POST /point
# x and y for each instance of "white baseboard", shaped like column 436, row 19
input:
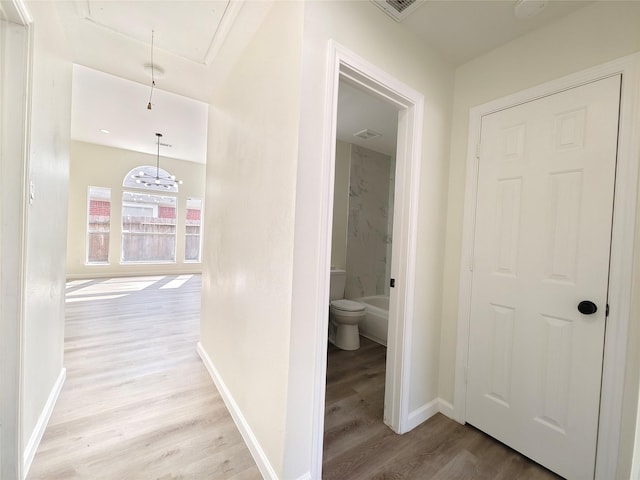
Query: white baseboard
column 422, row 414
column 428, row 410
column 43, row 420
column 446, row 408
column 256, row 450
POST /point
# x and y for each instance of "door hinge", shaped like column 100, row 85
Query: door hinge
column 471, row 263
column 478, row 146
column 606, row 311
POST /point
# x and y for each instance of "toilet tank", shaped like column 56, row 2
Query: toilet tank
column 338, row 281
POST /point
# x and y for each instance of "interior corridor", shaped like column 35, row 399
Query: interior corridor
column 138, row 403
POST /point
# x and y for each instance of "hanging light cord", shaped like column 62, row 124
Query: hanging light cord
column 158, row 157
column 153, row 78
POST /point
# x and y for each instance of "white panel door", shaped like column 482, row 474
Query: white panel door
column 542, row 239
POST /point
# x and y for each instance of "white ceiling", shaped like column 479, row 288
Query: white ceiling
column 114, row 36
column 105, row 102
column 464, row 29
column 177, row 30
column 358, row 110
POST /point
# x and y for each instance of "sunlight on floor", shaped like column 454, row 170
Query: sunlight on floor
column 177, row 282
column 89, row 299
column 75, row 283
column 116, row 286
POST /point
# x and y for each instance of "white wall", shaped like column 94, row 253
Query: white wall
column 260, row 280
column 48, row 169
column 595, row 34
column 257, row 299
column 250, row 192
column 100, row 166
column 368, row 32
column 14, row 67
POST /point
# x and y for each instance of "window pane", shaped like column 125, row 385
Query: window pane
column 148, row 228
column 193, row 226
column 98, row 224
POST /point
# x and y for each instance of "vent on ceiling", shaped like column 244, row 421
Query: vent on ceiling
column 398, row 9
column 366, row 134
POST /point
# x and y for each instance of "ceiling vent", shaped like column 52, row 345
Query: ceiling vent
column 366, row 134
column 398, row 9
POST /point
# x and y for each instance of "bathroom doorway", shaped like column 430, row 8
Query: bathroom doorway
column 363, row 202
column 408, row 104
column 362, row 236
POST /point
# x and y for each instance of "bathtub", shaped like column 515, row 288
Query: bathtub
column 376, row 321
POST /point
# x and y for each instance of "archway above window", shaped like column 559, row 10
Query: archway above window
column 147, row 177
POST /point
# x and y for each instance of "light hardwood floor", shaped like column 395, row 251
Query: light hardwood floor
column 138, row 403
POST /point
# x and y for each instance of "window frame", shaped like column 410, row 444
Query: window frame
column 88, row 231
column 199, row 234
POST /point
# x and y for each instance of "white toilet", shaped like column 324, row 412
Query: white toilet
column 344, row 315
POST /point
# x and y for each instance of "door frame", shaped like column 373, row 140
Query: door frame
column 345, row 64
column 622, row 246
column 14, row 140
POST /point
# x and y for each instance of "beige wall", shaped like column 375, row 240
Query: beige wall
column 48, row 169
column 367, row 31
column 250, row 184
column 340, row 206
column 590, row 36
column 100, row 166
column 261, row 273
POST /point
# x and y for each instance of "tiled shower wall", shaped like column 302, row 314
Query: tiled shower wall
column 369, row 229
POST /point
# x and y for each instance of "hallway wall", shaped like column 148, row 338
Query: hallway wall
column 368, row 32
column 45, row 252
column 261, row 274
column 250, row 191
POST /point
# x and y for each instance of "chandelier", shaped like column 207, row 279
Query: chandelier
column 156, row 178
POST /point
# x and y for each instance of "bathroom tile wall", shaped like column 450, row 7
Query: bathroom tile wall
column 369, row 229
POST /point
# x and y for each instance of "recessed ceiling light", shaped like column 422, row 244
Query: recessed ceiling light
column 102, row 130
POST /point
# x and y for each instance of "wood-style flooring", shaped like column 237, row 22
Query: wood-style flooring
column 358, row 446
column 138, row 404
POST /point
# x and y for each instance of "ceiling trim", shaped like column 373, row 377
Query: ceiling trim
column 16, row 11
column 224, row 27
column 231, row 11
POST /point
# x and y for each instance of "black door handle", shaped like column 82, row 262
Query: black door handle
column 586, row 307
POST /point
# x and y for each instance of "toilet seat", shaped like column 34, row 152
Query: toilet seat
column 344, row 305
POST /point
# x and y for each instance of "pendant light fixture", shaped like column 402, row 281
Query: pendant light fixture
column 156, row 178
